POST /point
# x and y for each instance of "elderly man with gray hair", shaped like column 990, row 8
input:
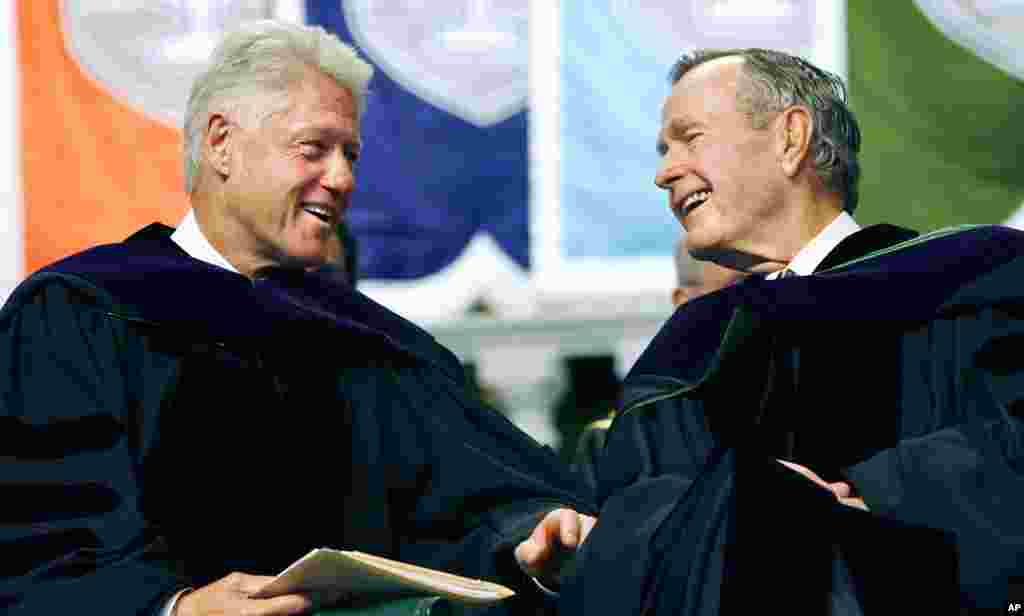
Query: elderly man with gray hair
column 189, row 411
column 841, row 431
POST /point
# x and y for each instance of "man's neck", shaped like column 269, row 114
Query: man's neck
column 218, row 232
column 191, row 238
column 807, row 260
column 808, row 213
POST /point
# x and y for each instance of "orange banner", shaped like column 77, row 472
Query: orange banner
column 94, row 169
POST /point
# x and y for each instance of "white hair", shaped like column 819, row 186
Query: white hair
column 265, row 59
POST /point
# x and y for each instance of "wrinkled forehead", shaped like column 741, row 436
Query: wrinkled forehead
column 711, row 84
column 319, row 101
column 725, row 65
column 317, row 90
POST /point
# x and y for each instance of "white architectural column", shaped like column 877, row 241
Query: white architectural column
column 11, row 257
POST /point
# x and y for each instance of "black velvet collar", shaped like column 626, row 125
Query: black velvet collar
column 149, row 278
column 910, row 282
column 863, row 242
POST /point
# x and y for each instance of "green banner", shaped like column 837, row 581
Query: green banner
column 943, row 141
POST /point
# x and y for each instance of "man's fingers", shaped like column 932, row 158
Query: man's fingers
column 588, row 525
column 806, row 472
column 554, row 527
column 528, row 551
column 283, row 605
column 534, row 548
column 532, row 554
column 233, row 594
column 526, row 554
column 561, row 527
column 550, row 530
column 569, row 527
column 795, row 467
column 248, row 584
column 841, row 489
column 854, row 502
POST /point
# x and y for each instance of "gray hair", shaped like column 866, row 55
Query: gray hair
column 266, row 58
column 775, row 81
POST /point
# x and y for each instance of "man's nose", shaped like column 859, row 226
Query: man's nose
column 339, row 176
column 669, row 170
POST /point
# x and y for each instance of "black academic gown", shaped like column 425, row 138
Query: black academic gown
column 901, row 372
column 164, row 422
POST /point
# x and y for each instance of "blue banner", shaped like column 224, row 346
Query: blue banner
column 445, row 151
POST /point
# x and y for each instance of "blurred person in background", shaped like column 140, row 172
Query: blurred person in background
column 696, row 278
column 185, row 413
column 585, row 426
column 591, row 393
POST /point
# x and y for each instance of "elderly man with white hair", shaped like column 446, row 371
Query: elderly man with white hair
column 188, row 411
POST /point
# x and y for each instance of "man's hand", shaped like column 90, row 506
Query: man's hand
column 841, row 489
column 229, row 596
column 559, row 531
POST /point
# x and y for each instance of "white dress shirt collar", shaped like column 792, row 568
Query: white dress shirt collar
column 190, row 238
column 811, row 255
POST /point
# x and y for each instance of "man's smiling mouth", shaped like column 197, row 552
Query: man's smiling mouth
column 693, row 201
column 322, row 212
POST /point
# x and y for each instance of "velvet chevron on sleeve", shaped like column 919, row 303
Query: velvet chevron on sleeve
column 73, row 440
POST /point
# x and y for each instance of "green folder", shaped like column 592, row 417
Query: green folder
column 406, row 606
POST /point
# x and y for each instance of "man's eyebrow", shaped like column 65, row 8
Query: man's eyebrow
column 677, row 126
column 682, row 124
column 347, row 136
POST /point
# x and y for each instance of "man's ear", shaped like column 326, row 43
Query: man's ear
column 794, row 126
column 217, row 145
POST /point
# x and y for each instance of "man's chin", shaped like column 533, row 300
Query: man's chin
column 314, row 266
column 310, row 264
column 718, row 254
column 700, row 249
column 304, row 259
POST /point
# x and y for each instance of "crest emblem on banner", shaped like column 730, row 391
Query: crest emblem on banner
column 993, row 29
column 466, row 57
column 669, row 28
column 148, row 53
